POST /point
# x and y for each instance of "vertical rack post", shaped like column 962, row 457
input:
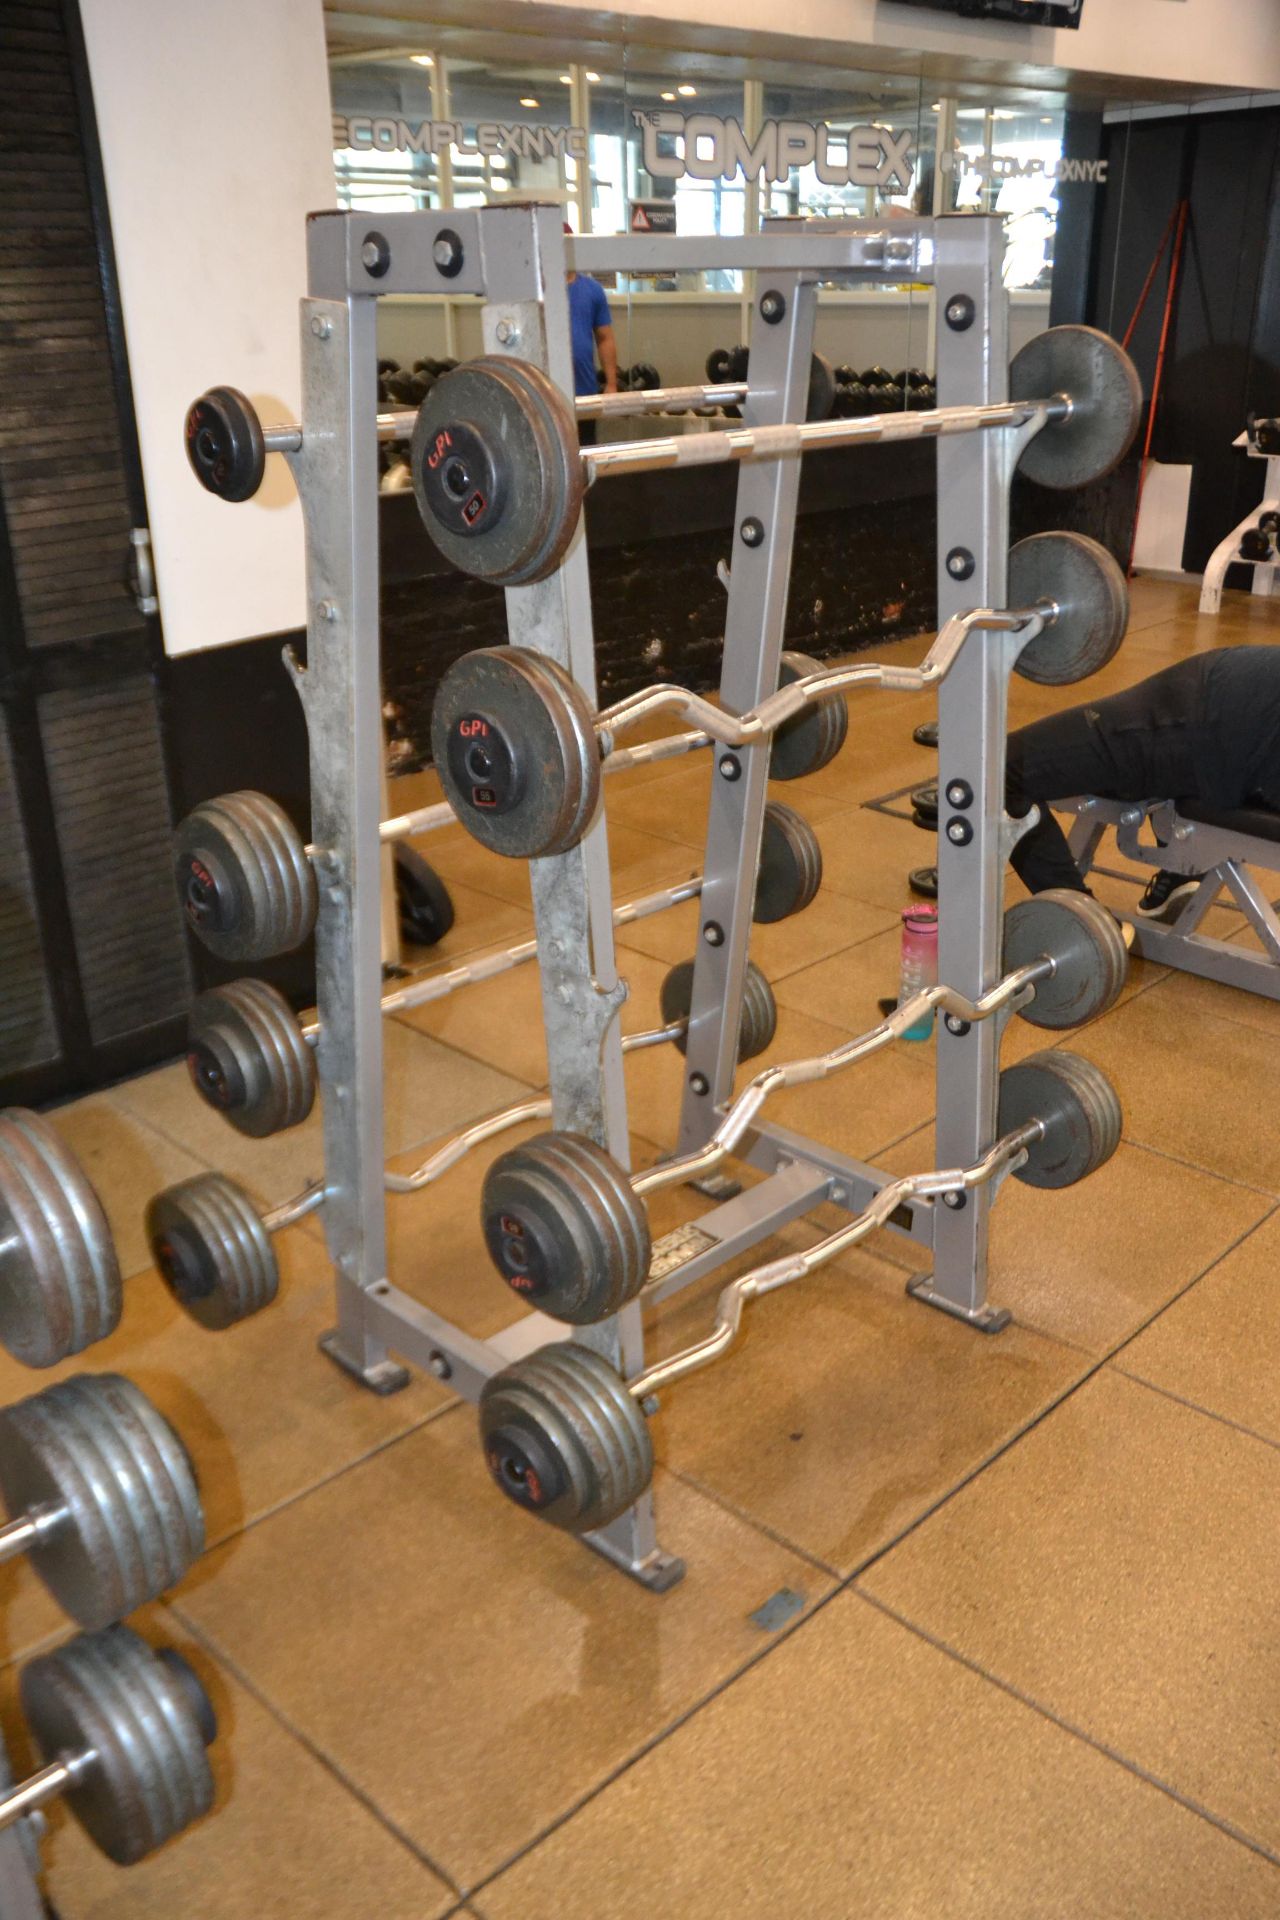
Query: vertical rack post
column 759, row 577
column 974, row 471
column 526, row 313
column 337, row 474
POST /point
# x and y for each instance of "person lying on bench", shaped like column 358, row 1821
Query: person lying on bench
column 1206, row 730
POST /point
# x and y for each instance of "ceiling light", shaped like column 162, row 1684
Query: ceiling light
column 594, row 78
column 527, row 100
column 687, row 91
column 668, row 96
column 936, row 107
column 1046, row 120
column 566, row 79
column 423, row 59
column 1003, row 113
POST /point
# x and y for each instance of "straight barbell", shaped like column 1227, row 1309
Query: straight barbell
column 566, row 1437
column 124, row 1731
column 567, row 1227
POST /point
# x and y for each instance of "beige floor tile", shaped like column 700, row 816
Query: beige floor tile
column 837, row 1781
column 285, row 1840
column 480, row 1672
column 1198, row 1090
column 860, row 1110
column 262, row 1412
column 673, row 808
column 868, row 856
column 845, row 1410
column 1118, row 1568
column 1197, row 999
column 429, row 1090
column 1219, row 1346
column 480, row 921
column 126, row 1160
column 1078, row 1263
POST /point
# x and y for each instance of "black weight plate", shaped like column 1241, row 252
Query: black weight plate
column 759, row 1008
column 565, row 1228
column 422, row 899
column 739, row 362
column 1084, row 941
column 225, row 445
column 247, row 1058
column 212, row 1250
column 813, row 737
column 1078, row 1107
column 497, row 470
column 790, row 870
column 95, row 1448
column 515, row 746
column 924, row 807
column 717, row 368
column 107, row 1692
column 926, row 734
column 822, row 389
column 1089, row 590
column 244, row 879
column 60, row 1285
column 923, row 882
column 564, row 1439
column 1102, row 384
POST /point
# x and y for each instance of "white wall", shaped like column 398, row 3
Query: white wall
column 214, row 122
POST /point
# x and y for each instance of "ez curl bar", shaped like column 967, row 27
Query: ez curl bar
column 567, row 1438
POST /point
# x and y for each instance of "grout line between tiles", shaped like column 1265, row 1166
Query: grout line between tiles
column 1069, row 1727
column 215, row 1651
column 1194, row 1406
column 752, row 1520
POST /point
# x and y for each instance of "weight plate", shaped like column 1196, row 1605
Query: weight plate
column 497, row 470
column 790, row 870
column 759, row 1008
column 244, row 879
column 923, row 882
column 422, row 900
column 151, row 1778
column 1089, row 591
column 1102, row 384
column 1079, row 1108
column 813, row 737
column 822, row 389
column 60, row 1285
column 564, row 1439
column 717, row 368
column 926, row 734
column 1084, row 941
column 564, row 1227
column 924, row 807
column 212, row 1250
column 247, row 1058
column 515, row 746
column 94, row 1447
column 225, row 445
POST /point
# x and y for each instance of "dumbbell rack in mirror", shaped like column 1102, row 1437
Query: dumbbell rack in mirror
column 565, row 1393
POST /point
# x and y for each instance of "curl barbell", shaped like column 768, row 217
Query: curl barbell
column 567, row 1438
column 566, row 1226
column 518, row 749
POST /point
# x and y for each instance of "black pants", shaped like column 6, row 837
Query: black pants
column 1138, row 745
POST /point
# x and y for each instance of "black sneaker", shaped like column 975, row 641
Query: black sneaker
column 1165, row 895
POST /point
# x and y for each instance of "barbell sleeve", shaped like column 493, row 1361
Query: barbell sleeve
column 51, row 1781
column 21, row 1535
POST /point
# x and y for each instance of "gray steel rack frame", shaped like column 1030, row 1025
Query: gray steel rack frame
column 515, row 259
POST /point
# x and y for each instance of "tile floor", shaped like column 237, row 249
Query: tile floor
column 975, row 1628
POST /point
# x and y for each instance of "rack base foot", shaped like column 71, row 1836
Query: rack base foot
column 986, row 1319
column 658, row 1571
column 383, row 1377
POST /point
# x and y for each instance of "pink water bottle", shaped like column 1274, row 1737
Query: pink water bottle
column 919, row 963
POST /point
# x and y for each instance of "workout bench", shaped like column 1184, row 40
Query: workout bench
column 1191, row 839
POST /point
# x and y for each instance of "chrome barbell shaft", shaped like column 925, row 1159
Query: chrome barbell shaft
column 1003, row 1157
column 773, row 442
column 746, row 729
column 407, row 826
column 1013, row 991
column 21, row 1535
column 57, row 1778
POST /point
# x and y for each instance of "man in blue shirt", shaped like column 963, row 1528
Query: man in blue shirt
column 590, row 328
